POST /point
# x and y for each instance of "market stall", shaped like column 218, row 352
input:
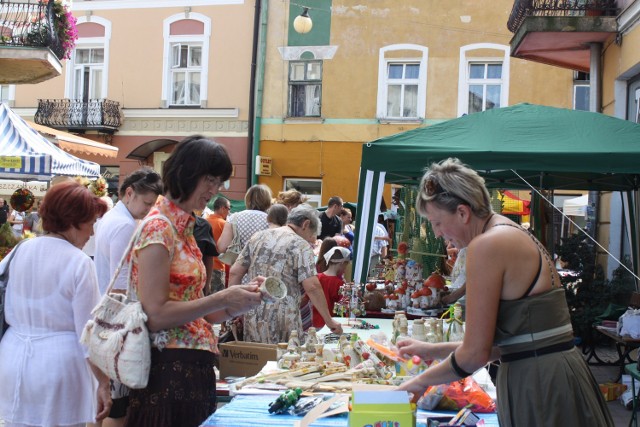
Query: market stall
column 328, row 377
column 27, row 155
column 513, row 147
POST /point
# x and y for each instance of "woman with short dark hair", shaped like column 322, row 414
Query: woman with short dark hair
column 169, row 277
column 45, row 374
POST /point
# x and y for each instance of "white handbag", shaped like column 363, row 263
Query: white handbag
column 234, row 248
column 117, row 337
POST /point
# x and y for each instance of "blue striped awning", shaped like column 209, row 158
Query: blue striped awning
column 25, row 154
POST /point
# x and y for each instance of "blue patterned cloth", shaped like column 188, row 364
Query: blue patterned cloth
column 253, row 411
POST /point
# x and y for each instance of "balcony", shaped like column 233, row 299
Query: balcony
column 30, row 49
column 76, row 115
column 559, row 32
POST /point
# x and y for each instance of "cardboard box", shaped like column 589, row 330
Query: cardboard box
column 244, row 359
column 611, row 391
column 381, row 408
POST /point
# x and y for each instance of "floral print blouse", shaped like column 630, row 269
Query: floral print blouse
column 187, row 273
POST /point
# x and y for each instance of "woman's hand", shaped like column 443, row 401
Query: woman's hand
column 334, row 327
column 415, row 387
column 410, row 347
column 104, row 401
column 241, row 298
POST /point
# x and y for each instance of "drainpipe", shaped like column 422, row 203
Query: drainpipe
column 595, row 78
column 595, row 105
column 256, row 88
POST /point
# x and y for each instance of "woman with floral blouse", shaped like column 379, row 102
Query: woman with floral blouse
column 169, row 277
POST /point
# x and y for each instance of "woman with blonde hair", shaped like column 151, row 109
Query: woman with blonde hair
column 516, row 311
column 291, row 198
column 249, row 221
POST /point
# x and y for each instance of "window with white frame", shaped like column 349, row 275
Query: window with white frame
column 305, row 88
column 402, row 89
column 88, row 68
column 186, row 47
column 402, row 82
column 483, row 81
column 186, row 72
column 310, row 188
column 485, row 86
column 6, row 93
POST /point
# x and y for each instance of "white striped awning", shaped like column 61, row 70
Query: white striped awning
column 25, row 154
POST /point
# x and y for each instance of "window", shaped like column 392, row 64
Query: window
column 581, row 91
column 311, row 188
column 7, row 93
column 402, row 90
column 186, row 70
column 485, row 86
column 87, row 73
column 87, row 69
column 402, row 82
column 305, row 88
column 483, row 81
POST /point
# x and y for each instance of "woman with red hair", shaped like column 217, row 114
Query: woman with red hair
column 45, row 374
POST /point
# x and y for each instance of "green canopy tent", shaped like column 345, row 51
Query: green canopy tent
column 550, row 148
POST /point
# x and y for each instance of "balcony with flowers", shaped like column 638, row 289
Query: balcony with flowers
column 35, row 35
column 560, row 32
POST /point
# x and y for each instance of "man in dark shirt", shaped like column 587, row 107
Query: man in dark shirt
column 331, row 222
column 4, row 211
column 204, row 239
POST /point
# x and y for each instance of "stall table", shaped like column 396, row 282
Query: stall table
column 253, row 411
column 624, row 346
column 246, row 410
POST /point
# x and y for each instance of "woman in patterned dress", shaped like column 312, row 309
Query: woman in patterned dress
column 169, row 277
column 516, row 311
column 285, row 253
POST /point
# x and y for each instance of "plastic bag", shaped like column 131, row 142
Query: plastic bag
column 432, row 397
column 464, row 392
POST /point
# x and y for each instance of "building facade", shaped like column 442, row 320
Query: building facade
column 600, row 40
column 144, row 74
column 373, row 69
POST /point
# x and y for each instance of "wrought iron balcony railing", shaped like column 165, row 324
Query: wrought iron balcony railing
column 29, row 23
column 524, row 8
column 97, row 114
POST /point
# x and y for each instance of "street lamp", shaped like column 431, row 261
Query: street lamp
column 303, row 24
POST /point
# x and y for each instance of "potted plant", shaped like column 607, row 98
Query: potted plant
column 62, row 38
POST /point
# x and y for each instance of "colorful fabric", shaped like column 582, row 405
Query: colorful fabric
column 187, row 273
column 281, row 253
column 331, row 288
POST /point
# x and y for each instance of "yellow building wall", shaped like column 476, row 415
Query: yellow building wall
column 330, row 148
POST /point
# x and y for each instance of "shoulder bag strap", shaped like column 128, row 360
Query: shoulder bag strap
column 134, row 238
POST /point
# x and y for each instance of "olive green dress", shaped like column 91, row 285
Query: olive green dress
column 552, row 389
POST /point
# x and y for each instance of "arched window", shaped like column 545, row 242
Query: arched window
column 402, row 82
column 88, row 68
column 483, row 77
column 186, row 53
